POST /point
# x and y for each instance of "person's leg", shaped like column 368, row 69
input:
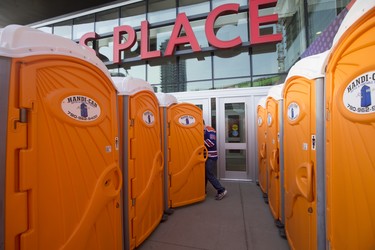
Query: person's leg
column 210, row 165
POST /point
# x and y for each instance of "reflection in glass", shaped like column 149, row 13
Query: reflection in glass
column 235, row 160
column 106, row 20
column 105, row 49
column 199, row 85
column 194, row 7
column 217, row 3
column 133, row 14
column 321, row 14
column 154, row 74
column 198, row 69
column 235, row 123
column 291, row 16
column 268, row 80
column 232, row 26
column 227, row 64
column 265, row 60
column 161, row 10
column 243, row 82
column 46, row 29
column 82, row 25
column 63, row 29
column 136, row 71
column 199, row 32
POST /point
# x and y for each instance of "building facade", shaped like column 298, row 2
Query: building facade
column 189, row 68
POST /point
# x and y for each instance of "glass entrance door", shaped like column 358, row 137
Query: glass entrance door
column 232, row 129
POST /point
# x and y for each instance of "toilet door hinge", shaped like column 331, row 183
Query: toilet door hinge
column 22, row 117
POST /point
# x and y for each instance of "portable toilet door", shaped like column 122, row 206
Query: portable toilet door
column 273, row 152
column 350, row 125
column 184, row 158
column 304, row 153
column 61, row 181
column 142, row 159
column 186, row 162
column 261, row 138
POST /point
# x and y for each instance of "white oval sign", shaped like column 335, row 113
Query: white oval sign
column 81, row 108
column 186, row 120
column 269, row 119
column 293, row 111
column 359, row 94
column 260, row 121
column 148, row 117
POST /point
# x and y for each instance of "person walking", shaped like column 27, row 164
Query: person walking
column 211, row 162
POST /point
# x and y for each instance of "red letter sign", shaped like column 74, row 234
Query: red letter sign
column 210, row 26
column 256, row 20
column 182, row 22
column 145, row 53
column 91, row 36
column 117, row 45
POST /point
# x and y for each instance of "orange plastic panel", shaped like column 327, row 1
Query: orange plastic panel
column 186, row 163
column 262, row 151
column 273, row 189
column 63, row 180
column 145, row 165
column 351, row 138
column 299, row 163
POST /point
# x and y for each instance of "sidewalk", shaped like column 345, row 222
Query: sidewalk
column 241, row 221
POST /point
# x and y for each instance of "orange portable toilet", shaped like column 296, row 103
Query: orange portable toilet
column 60, row 176
column 261, row 138
column 350, row 126
column 304, row 153
column 184, row 151
column 274, row 121
column 142, row 159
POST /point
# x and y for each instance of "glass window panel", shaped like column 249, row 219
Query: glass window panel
column 106, row 20
column 321, row 14
column 197, row 68
column 291, row 13
column 82, row 25
column 232, row 26
column 133, row 14
column 199, row 85
column 161, row 10
column 154, row 74
column 235, row 122
column 235, row 160
column 136, row 71
column 268, row 80
column 265, row 60
column 228, row 64
column 105, row 49
column 194, row 7
column 199, row 32
column 46, row 29
column 173, row 77
column 217, row 3
column 63, row 29
column 232, row 83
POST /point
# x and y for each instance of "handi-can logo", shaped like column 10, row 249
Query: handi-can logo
column 148, row 117
column 359, row 94
column 186, row 120
column 81, row 108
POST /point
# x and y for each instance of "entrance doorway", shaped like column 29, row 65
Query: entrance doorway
column 232, row 112
column 233, row 138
